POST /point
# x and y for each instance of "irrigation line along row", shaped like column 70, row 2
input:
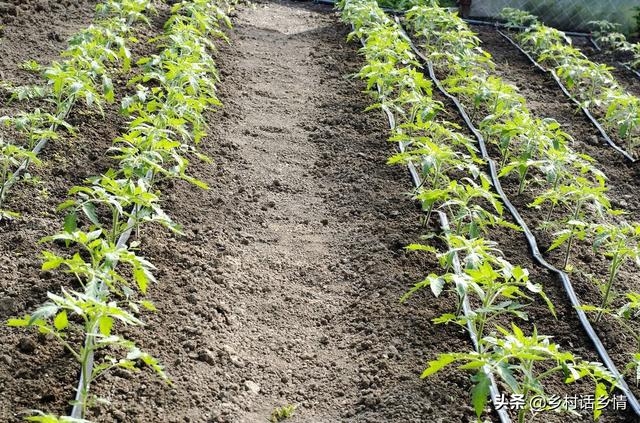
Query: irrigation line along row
column 503, row 25
column 624, row 65
column 594, row 44
column 531, row 239
column 83, row 384
column 586, row 112
column 35, row 151
column 630, row 69
column 444, row 225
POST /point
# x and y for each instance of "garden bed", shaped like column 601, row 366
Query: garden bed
column 284, row 287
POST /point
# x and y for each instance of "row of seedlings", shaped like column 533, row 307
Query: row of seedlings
column 592, row 85
column 566, row 183
column 496, row 290
column 84, row 74
column 176, row 88
column 607, row 34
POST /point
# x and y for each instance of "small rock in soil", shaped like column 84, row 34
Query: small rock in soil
column 252, row 387
column 6, row 305
column 6, row 359
column 119, row 415
column 237, row 361
column 307, row 356
column 207, row 356
column 27, row 345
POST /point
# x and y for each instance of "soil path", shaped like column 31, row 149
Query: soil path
column 285, row 288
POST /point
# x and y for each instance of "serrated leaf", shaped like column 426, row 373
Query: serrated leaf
column 437, row 365
column 71, row 222
column 90, row 211
column 105, row 325
column 61, row 322
column 141, row 279
column 480, row 392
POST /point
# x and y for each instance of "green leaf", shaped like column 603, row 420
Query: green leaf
column 148, row 305
column 437, row 285
column 141, row 279
column 600, row 394
column 61, row 322
column 51, row 261
column 421, row 247
column 107, row 87
column 507, row 376
column 19, row 322
column 480, row 392
column 437, row 365
column 445, row 318
column 90, row 211
column 71, row 222
column 105, row 325
column 561, row 238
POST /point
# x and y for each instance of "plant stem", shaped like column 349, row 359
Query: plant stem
column 566, row 257
column 613, row 271
column 426, row 222
column 85, row 354
column 114, row 228
column 553, row 205
column 575, row 216
column 5, row 169
column 505, row 156
column 523, row 179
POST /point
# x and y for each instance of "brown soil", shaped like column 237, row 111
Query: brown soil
column 285, row 287
column 38, row 30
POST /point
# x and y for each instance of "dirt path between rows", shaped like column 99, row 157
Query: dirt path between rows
column 285, row 289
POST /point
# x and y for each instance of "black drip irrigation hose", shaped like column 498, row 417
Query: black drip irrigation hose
column 630, row 69
column 503, row 25
column 531, row 239
column 566, row 92
column 37, row 149
column 444, row 224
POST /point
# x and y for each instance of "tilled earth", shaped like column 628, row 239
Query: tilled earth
column 285, row 287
